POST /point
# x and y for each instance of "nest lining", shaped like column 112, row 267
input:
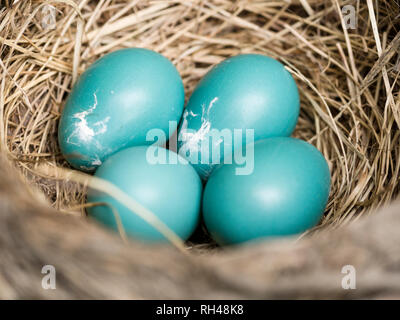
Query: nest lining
column 348, row 79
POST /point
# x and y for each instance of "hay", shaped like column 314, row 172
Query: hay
column 348, row 79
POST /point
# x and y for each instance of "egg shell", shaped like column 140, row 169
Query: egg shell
column 115, row 103
column 171, row 191
column 248, row 91
column 285, row 194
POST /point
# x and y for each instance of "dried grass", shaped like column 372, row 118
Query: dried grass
column 348, row 78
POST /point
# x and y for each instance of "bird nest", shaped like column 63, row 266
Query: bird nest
column 344, row 56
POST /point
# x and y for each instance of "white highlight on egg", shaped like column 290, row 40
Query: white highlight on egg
column 82, row 130
column 85, row 134
column 191, row 139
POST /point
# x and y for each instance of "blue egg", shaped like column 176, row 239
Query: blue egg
column 172, row 191
column 286, row 193
column 249, row 91
column 116, row 102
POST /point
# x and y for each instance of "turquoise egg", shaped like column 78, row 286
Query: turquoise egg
column 115, row 103
column 171, row 191
column 249, row 91
column 286, row 193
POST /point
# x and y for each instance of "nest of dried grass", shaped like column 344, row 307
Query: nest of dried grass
column 348, row 78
